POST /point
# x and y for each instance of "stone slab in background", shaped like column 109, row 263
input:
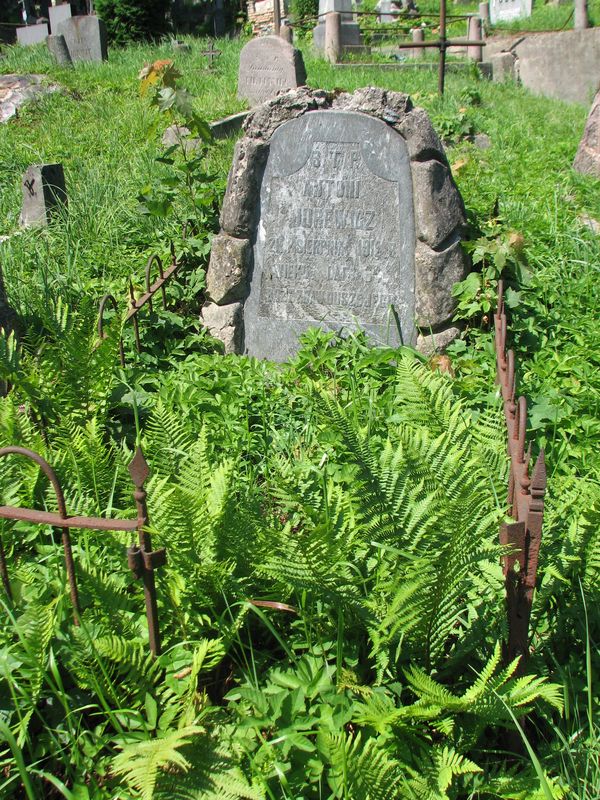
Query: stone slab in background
column 16, row 90
column 58, row 14
column 350, row 35
column 564, row 65
column 32, row 34
column 587, row 159
column 85, row 37
column 269, row 65
column 44, row 193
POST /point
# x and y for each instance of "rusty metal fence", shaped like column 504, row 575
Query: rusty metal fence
column 141, row 558
column 521, row 537
column 135, row 305
column 525, row 499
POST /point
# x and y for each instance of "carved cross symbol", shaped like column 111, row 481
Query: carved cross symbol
column 29, row 187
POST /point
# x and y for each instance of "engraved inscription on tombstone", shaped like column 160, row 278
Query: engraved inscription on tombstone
column 335, row 244
column 340, row 213
column 269, row 65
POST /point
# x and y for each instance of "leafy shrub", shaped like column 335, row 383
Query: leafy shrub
column 133, row 20
column 304, row 8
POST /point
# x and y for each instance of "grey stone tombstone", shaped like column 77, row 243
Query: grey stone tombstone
column 44, row 193
column 58, row 47
column 32, row 34
column 384, row 9
column 505, row 10
column 350, row 36
column 587, row 159
column 85, row 37
column 58, row 14
column 269, row 65
column 340, row 213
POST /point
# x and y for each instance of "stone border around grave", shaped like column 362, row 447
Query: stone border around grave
column 438, row 207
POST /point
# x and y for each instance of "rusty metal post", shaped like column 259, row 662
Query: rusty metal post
column 525, row 499
column 142, row 559
column 4, row 572
column 442, row 46
column 60, row 501
column 108, row 298
column 136, row 327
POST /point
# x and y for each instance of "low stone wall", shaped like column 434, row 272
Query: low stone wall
column 564, row 65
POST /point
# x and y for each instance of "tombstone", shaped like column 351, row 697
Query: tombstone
column 269, row 65
column 85, row 37
column 58, row 14
column 32, row 34
column 58, row 47
column 587, row 159
column 340, row 212
column 350, row 32
column 44, row 193
column 505, row 10
column 384, row 9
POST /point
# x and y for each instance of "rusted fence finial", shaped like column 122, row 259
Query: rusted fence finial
column 141, row 559
column 525, row 499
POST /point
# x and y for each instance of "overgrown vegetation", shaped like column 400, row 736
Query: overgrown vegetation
column 355, row 491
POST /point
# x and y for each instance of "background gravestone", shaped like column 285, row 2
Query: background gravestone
column 85, row 37
column 58, row 47
column 58, row 14
column 350, row 35
column 269, row 65
column 44, row 193
column 504, row 10
column 32, row 34
column 340, row 211
column 587, row 159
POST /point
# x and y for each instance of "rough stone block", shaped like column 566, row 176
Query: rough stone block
column 437, row 342
column 587, row 159
column 225, row 323
column 436, row 272
column 503, row 67
column 230, row 264
column 438, row 204
column 58, row 47
column 240, row 206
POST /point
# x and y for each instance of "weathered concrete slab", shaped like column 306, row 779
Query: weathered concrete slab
column 564, row 65
column 32, row 34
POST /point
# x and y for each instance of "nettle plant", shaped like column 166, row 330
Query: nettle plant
column 184, row 190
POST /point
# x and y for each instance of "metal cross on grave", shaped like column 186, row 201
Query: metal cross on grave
column 211, row 53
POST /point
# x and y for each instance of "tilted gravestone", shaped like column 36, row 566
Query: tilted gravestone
column 505, row 10
column 269, row 65
column 85, row 37
column 340, row 212
column 587, row 159
column 32, row 34
column 58, row 47
column 44, row 193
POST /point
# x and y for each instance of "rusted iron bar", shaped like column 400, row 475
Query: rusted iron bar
column 54, row 519
column 141, row 559
column 62, row 514
column 150, row 291
column 525, row 499
column 442, row 46
column 108, row 298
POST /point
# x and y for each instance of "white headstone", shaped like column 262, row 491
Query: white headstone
column 505, row 10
